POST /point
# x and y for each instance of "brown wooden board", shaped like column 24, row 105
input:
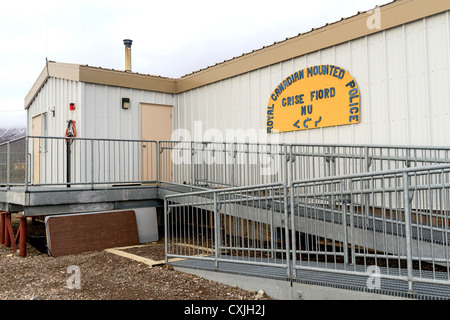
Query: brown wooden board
column 78, row 233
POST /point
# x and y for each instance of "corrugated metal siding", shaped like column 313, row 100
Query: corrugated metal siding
column 402, row 73
column 103, row 116
column 98, row 114
column 58, row 94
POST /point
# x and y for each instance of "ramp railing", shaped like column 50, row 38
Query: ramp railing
column 246, row 225
column 395, row 222
column 44, row 161
column 221, row 164
column 390, row 225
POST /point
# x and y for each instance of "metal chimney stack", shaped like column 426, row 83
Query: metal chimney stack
column 127, row 43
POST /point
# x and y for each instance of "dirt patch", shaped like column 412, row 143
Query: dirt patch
column 153, row 251
column 103, row 276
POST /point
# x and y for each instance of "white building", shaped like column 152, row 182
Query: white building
column 397, row 54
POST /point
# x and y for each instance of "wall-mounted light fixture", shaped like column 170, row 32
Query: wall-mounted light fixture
column 52, row 110
column 125, row 103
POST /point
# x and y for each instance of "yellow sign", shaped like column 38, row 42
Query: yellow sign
column 315, row 97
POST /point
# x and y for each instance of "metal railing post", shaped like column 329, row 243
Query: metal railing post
column 367, row 159
column 291, row 166
column 158, row 164
column 292, row 273
column 191, row 181
column 293, row 237
column 233, row 153
column 8, row 165
column 286, row 229
column 224, row 164
column 285, row 163
column 68, row 166
column 166, row 229
column 344, row 225
column 92, row 164
column 367, row 186
column 352, row 226
column 27, row 163
column 216, row 231
column 408, row 230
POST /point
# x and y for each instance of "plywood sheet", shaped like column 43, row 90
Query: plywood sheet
column 78, row 233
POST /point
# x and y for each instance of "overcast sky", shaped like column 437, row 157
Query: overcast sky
column 171, row 38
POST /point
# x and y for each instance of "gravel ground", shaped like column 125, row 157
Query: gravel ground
column 104, row 276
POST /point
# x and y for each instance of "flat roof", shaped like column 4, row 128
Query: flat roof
column 393, row 14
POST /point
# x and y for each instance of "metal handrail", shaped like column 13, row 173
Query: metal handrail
column 287, row 161
column 396, row 237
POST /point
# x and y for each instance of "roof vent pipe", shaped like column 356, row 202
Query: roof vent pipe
column 127, row 43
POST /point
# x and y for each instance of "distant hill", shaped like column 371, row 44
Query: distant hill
column 11, row 134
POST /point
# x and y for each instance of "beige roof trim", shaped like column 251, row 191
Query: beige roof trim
column 392, row 14
column 52, row 69
column 127, row 79
column 102, row 76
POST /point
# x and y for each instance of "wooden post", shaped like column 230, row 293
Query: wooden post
column 23, row 236
column 2, row 227
column 6, row 229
